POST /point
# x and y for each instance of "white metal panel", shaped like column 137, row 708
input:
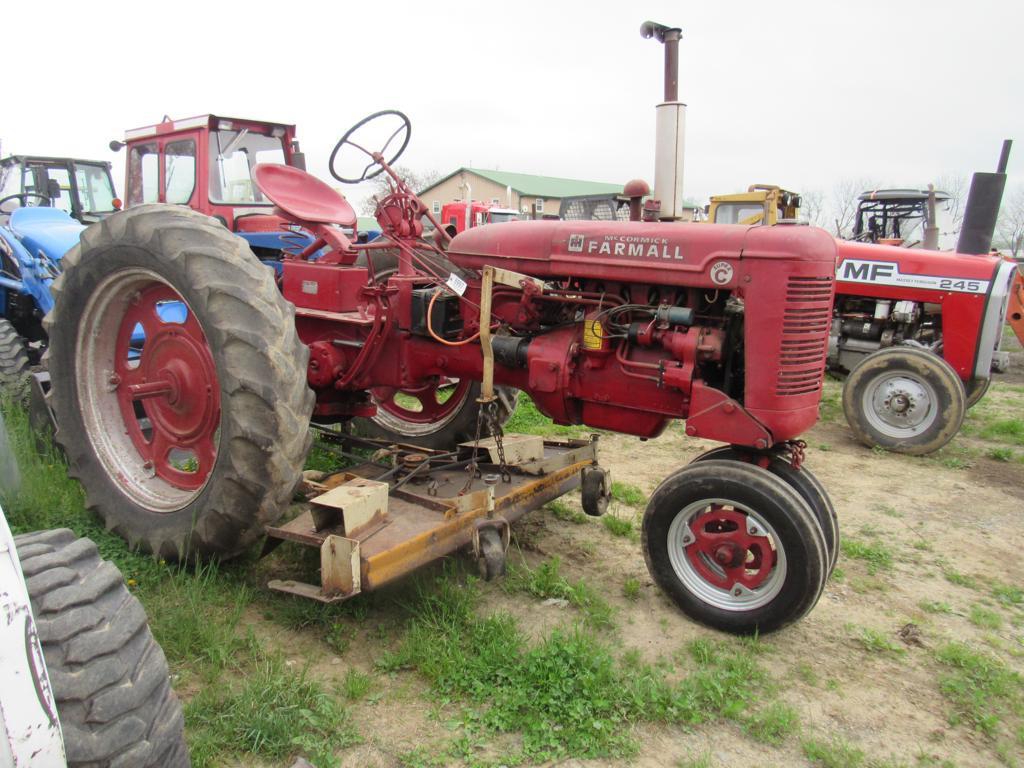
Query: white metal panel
column 31, row 731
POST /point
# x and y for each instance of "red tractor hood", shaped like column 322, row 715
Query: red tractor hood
column 634, row 252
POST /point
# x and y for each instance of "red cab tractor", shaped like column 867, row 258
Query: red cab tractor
column 206, row 163
column 192, row 442
column 919, row 330
column 460, row 215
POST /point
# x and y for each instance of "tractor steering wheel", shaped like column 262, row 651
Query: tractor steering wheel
column 377, row 159
column 23, row 196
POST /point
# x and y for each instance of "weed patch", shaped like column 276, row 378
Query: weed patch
column 986, row 618
column 773, row 724
column 875, row 554
column 631, row 588
column 275, row 714
column 546, row 581
column 629, row 494
column 618, row 526
column 984, row 692
column 836, row 753
column 874, row 641
column 562, row 511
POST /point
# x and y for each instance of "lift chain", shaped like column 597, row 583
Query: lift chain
column 494, row 426
column 797, row 452
column 488, row 413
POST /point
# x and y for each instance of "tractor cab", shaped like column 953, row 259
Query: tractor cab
column 84, row 189
column 899, row 217
column 206, row 163
column 760, row 204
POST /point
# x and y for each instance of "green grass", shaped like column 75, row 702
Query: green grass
column 631, row 588
column 874, row 641
column 935, row 606
column 1010, row 430
column 1007, row 594
column 986, row 694
column 356, row 684
column 985, row 618
column 562, row 511
column 528, row 420
column 629, row 494
column 618, row 526
column 773, row 724
column 546, row 581
column 565, row 694
column 272, row 712
column 960, row 579
column 835, row 753
column 1001, row 454
column 875, row 554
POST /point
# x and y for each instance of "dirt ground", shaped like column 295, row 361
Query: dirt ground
column 958, row 513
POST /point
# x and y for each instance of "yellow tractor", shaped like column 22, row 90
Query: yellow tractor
column 760, row 204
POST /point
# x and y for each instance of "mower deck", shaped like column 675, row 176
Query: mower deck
column 374, row 523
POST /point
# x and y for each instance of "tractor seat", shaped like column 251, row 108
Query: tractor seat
column 302, row 196
column 49, row 230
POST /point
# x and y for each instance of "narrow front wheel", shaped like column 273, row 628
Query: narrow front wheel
column 734, row 547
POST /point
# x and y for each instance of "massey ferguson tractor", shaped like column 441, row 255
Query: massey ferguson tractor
column 192, row 442
column 916, row 331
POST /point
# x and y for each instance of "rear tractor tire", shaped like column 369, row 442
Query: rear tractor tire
column 178, row 383
column 734, row 547
column 905, row 400
column 439, row 415
column 975, row 390
column 14, row 365
column 108, row 675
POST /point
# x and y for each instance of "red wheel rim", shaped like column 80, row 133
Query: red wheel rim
column 432, row 409
column 174, row 380
column 724, row 553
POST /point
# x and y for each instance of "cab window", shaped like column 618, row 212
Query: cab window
column 739, row 213
column 143, row 174
column 179, row 171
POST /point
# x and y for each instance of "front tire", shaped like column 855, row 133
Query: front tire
column 108, row 675
column 734, row 547
column 905, row 400
column 178, row 383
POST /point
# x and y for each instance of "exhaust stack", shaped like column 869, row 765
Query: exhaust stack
column 982, row 210
column 671, row 126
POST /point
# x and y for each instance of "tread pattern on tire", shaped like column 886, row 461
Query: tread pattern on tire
column 14, row 365
column 108, row 674
column 261, row 365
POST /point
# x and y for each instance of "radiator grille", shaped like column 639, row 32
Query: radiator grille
column 805, row 326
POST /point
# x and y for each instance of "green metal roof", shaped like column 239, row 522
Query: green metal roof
column 539, row 186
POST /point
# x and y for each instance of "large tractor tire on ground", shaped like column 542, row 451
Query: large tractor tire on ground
column 178, row 383
column 14, row 366
column 438, row 415
column 734, row 546
column 108, row 675
column 904, row 399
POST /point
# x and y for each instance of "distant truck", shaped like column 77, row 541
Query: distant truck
column 461, row 215
column 916, row 332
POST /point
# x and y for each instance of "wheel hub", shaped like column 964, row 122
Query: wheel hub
column 901, row 403
column 149, row 389
column 725, row 553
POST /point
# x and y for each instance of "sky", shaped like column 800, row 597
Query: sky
column 801, row 94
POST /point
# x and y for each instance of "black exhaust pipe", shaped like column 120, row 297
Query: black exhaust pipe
column 982, row 211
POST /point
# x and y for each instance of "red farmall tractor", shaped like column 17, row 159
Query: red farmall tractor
column 192, row 442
